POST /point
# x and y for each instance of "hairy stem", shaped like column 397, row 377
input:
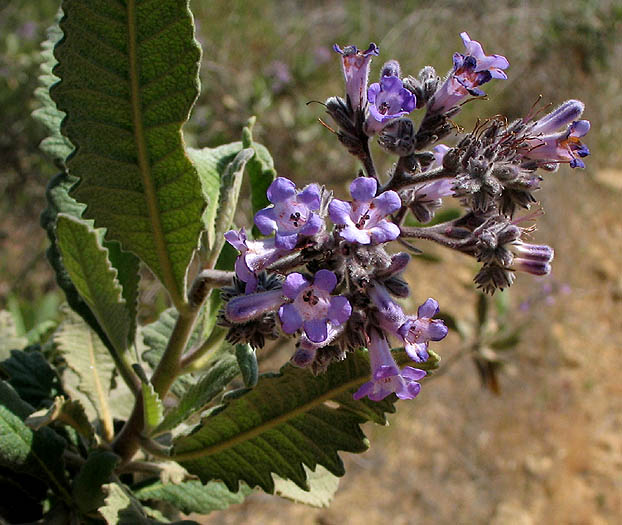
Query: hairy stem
column 402, row 179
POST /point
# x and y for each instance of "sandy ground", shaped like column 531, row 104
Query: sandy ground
column 549, row 448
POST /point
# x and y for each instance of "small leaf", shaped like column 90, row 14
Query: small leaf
column 87, row 263
column 201, row 393
column 57, row 146
column 31, row 376
column 90, row 361
column 129, row 77
column 192, row 496
column 66, row 411
column 152, row 407
column 481, row 309
column 87, row 485
column 9, row 340
column 39, row 453
column 322, row 483
column 283, row 424
column 211, row 164
column 247, row 361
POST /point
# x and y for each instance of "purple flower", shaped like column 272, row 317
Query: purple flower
column 254, row 256
column 244, row 308
column 388, row 100
column 418, row 331
column 356, row 72
column 292, row 214
column 532, row 258
column 470, row 71
column 559, row 147
column 313, row 306
column 364, row 218
column 413, row 332
column 386, row 376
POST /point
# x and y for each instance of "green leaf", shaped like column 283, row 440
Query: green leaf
column 31, row 376
column 9, row 339
column 322, row 483
column 57, row 146
column 39, row 453
column 260, row 170
column 211, row 164
column 122, row 508
column 152, row 407
column 90, row 361
column 201, row 393
column 66, row 411
column 283, row 424
column 192, row 496
column 247, row 361
column 87, row 485
column 59, row 201
column 506, row 342
column 87, row 263
column 129, row 77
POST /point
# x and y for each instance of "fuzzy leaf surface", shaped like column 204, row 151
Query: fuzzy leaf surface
column 89, row 267
column 282, row 425
column 322, row 484
column 91, row 364
column 30, row 374
column 152, row 407
column 39, row 453
column 193, row 496
column 87, row 485
column 67, row 411
column 56, row 145
column 129, row 77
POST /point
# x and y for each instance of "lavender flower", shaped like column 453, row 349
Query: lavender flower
column 244, row 308
column 470, row 71
column 254, row 256
column 388, row 100
column 356, row 72
column 418, row 331
column 292, row 214
column 565, row 146
column 532, row 258
column 386, row 377
column 364, row 219
column 313, row 307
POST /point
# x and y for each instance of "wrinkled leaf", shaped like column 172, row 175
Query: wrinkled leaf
column 283, row 424
column 66, row 411
column 87, row 486
column 129, row 76
column 152, row 407
column 192, row 496
column 90, row 361
column 31, row 376
column 247, row 361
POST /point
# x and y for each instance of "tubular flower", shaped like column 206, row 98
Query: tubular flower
column 254, row 256
column 388, row 100
column 364, row 219
column 356, row 72
column 386, row 377
column 313, row 307
column 292, row 214
column 565, row 146
column 470, row 70
column 418, row 331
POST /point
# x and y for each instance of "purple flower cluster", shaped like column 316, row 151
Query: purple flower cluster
column 324, row 275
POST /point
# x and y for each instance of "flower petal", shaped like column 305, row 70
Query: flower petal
column 363, row 189
column 294, row 284
column 325, row 280
column 266, row 220
column 286, row 241
column 428, row 309
column 339, row 211
column 313, row 225
column 414, row 374
column 418, row 352
column 340, row 310
column 387, row 202
column 290, row 318
column 384, row 231
column 280, row 190
column 354, row 235
column 316, row 330
column 310, row 196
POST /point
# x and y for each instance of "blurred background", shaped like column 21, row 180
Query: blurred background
column 542, row 441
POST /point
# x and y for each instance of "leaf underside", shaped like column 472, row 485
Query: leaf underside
column 283, row 424
column 129, row 77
